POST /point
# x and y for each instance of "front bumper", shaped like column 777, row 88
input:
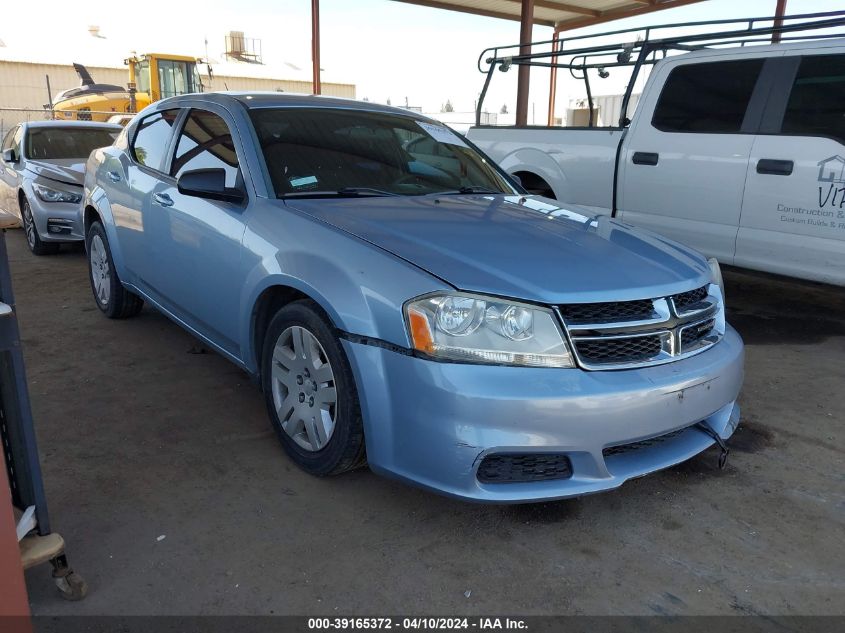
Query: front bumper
column 55, row 221
column 431, row 423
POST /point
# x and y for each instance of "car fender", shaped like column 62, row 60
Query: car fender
column 539, row 163
column 96, row 198
column 361, row 288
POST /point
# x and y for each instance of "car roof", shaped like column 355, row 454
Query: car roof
column 268, row 99
column 66, row 124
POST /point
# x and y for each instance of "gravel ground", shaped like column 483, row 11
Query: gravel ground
column 165, row 479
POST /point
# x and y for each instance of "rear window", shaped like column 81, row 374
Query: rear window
column 707, row 98
column 61, row 143
column 817, row 102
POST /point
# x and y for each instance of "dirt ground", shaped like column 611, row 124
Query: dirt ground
column 174, row 497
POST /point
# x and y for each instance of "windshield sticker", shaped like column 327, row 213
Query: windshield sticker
column 303, row 182
column 442, row 134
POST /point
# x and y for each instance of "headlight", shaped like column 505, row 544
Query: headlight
column 716, row 272
column 55, row 195
column 480, row 329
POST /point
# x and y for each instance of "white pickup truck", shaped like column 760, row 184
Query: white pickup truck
column 738, row 152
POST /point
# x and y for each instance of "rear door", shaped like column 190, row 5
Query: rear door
column 683, row 166
column 793, row 215
column 130, row 178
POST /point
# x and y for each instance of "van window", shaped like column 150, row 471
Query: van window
column 816, row 104
column 206, row 143
column 151, row 138
column 707, row 98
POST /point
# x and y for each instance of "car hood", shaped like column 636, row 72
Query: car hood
column 69, row 171
column 519, row 247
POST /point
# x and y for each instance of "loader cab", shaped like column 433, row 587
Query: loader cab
column 162, row 76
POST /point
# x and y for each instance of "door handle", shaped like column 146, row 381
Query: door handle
column 775, row 167
column 645, row 158
column 163, row 199
column 114, row 176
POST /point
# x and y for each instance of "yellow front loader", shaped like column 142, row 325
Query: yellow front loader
column 152, row 76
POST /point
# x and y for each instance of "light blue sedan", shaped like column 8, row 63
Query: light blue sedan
column 404, row 303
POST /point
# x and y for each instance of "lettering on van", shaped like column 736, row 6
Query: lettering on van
column 832, row 182
column 830, row 214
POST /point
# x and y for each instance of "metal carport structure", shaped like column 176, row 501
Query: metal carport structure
column 562, row 16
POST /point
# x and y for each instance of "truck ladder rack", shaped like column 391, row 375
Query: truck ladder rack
column 648, row 48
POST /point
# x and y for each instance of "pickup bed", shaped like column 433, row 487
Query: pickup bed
column 738, row 152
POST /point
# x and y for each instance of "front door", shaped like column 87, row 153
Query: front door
column 683, row 169
column 200, row 271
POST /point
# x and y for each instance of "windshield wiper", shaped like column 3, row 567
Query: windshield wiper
column 467, row 190
column 345, row 192
column 364, row 191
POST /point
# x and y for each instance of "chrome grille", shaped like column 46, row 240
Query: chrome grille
column 624, row 334
column 619, row 350
column 694, row 333
column 607, row 312
column 688, row 300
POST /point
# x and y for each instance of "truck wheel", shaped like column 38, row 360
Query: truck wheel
column 33, row 241
column 310, row 392
column 115, row 301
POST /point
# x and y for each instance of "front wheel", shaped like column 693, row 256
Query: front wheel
column 115, row 301
column 33, row 240
column 310, row 392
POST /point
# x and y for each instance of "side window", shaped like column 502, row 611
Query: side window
column 150, row 142
column 206, row 143
column 817, row 102
column 707, row 98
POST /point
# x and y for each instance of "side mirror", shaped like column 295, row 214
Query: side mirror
column 10, row 156
column 208, row 183
column 516, row 179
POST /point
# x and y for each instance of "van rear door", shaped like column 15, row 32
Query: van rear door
column 793, row 212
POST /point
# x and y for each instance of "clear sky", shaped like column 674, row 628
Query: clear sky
column 389, row 49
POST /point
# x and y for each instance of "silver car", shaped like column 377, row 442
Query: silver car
column 42, row 168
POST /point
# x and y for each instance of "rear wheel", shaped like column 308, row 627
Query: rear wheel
column 115, row 301
column 36, row 245
column 310, row 392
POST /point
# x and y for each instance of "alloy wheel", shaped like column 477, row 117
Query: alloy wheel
column 28, row 225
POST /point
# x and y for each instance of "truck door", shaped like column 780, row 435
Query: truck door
column 793, row 213
column 682, row 170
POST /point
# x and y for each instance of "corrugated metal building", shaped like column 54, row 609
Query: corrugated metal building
column 23, row 82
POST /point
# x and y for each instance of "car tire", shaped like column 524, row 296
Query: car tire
column 115, row 301
column 310, row 392
column 36, row 245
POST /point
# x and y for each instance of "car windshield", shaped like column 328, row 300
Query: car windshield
column 331, row 152
column 57, row 143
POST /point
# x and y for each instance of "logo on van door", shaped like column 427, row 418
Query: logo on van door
column 832, row 174
column 832, row 169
